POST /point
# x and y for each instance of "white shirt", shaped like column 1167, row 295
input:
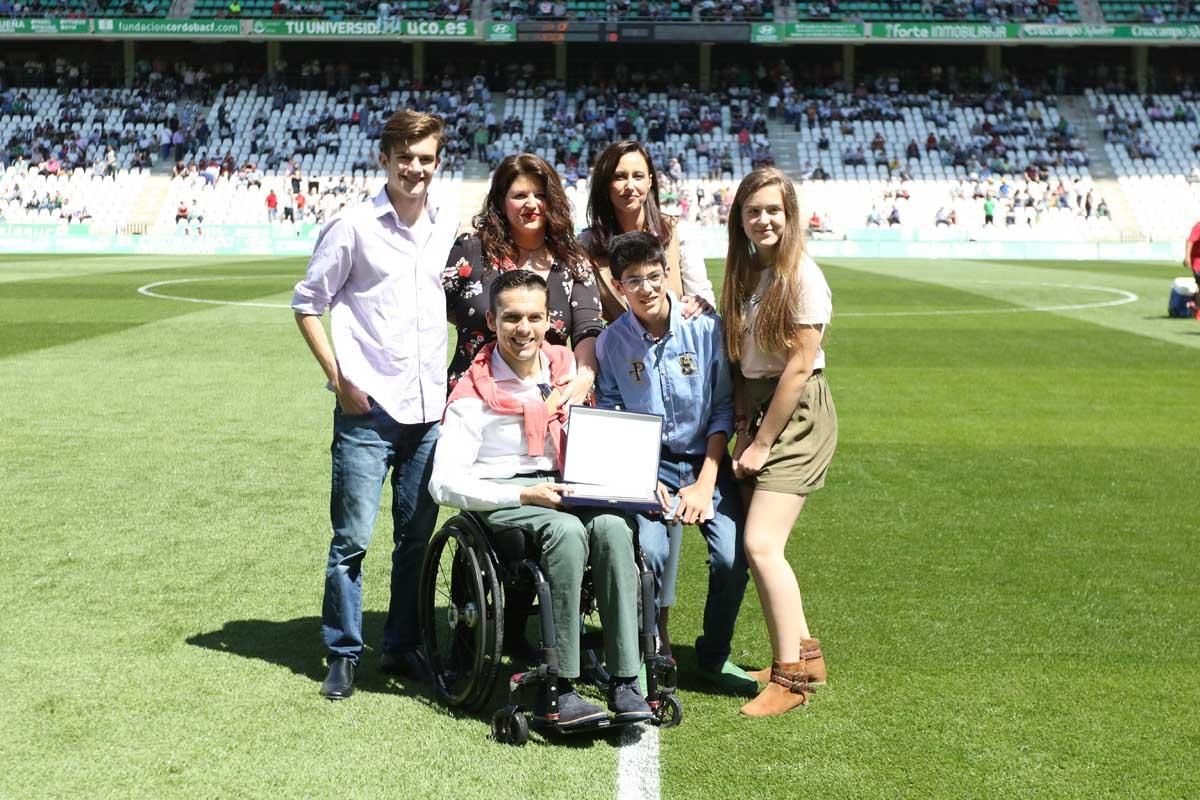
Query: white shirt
column 477, row 446
column 692, row 269
column 382, row 282
column 815, row 307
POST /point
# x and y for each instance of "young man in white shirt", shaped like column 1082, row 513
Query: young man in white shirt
column 499, row 454
column 377, row 268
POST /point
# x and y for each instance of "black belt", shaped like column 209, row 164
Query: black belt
column 541, row 473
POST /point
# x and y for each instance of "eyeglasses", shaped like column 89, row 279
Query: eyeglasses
column 654, row 280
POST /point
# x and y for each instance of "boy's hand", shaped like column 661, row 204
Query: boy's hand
column 546, row 495
column 352, row 399
column 664, row 498
column 694, row 501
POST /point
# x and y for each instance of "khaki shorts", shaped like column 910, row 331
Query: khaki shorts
column 800, row 457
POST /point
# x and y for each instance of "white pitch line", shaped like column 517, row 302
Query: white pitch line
column 638, row 775
column 1123, row 297
column 146, row 290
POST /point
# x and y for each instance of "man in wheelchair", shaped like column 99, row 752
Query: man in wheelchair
column 499, row 454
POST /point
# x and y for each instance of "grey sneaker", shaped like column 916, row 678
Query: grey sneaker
column 625, row 703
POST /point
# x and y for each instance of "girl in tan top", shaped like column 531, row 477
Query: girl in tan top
column 776, row 306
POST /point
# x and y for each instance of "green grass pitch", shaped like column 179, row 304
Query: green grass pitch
column 1002, row 567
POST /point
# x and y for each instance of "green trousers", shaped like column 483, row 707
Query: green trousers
column 569, row 541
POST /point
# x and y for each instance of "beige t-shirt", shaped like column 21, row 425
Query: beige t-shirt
column 815, row 307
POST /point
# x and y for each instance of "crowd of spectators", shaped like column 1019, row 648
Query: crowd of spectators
column 293, row 198
column 996, row 12
column 615, row 10
column 1012, row 134
column 35, row 197
column 675, row 124
column 82, row 9
column 1166, row 12
column 361, row 102
column 387, row 13
column 1127, row 131
column 1005, row 201
column 105, row 128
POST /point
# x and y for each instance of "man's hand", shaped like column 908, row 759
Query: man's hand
column 352, row 399
column 751, row 461
column 694, row 501
column 694, row 304
column 546, row 495
column 664, row 497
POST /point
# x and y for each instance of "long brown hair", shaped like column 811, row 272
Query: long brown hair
column 602, row 217
column 492, row 225
column 774, row 330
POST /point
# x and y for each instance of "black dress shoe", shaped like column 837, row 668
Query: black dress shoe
column 408, row 664
column 339, row 683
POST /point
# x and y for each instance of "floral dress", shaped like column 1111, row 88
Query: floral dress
column 574, row 303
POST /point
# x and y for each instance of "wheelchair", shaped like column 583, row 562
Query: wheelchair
column 467, row 571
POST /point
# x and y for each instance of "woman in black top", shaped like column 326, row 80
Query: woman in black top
column 525, row 224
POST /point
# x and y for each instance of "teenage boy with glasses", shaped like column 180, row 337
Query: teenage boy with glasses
column 652, row 360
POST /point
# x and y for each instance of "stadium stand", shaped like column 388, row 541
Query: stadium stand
column 932, row 160
column 84, row 8
column 1153, row 13
column 878, row 160
column 382, row 10
column 690, row 134
column 631, row 10
column 1153, row 144
column 315, row 150
column 995, row 11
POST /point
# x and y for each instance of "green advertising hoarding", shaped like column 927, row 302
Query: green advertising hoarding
column 506, row 32
column 169, row 27
column 942, row 31
column 352, row 28
column 775, row 33
column 500, row 32
column 983, row 32
column 45, row 26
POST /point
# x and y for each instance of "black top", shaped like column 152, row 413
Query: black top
column 574, row 303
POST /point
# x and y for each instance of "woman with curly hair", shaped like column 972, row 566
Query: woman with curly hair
column 525, row 223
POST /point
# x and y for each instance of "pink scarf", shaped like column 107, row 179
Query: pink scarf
column 478, row 382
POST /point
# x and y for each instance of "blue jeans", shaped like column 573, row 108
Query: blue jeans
column 727, row 570
column 364, row 448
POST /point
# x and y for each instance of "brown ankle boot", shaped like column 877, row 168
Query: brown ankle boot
column 814, row 662
column 811, row 659
column 786, row 691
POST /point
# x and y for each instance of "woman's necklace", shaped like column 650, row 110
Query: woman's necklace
column 536, row 260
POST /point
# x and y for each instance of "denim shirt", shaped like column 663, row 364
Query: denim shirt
column 684, row 377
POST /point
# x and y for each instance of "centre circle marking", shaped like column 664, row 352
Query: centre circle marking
column 1122, row 297
column 148, row 291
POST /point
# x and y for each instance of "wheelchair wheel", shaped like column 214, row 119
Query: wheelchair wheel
column 459, row 604
column 509, row 726
column 670, row 712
